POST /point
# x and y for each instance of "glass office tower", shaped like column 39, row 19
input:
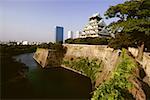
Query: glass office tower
column 59, row 34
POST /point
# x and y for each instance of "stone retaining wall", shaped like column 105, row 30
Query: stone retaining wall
column 41, row 56
column 145, row 62
column 107, row 55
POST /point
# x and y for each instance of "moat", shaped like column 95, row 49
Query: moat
column 54, row 82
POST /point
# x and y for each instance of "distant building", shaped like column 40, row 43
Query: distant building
column 25, row 42
column 78, row 34
column 96, row 27
column 59, row 34
column 70, row 35
column 18, row 43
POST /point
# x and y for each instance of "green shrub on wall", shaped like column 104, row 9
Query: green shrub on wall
column 85, row 66
column 117, row 87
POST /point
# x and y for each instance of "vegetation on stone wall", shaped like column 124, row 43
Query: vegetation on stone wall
column 85, row 66
column 117, row 87
column 88, row 40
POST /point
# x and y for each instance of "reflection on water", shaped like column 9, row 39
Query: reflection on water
column 27, row 59
column 55, row 82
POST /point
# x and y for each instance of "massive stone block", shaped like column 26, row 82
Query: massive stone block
column 145, row 61
column 47, row 57
column 41, row 56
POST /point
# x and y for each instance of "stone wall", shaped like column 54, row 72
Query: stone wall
column 134, row 51
column 145, row 62
column 47, row 57
column 41, row 56
column 90, row 51
column 107, row 55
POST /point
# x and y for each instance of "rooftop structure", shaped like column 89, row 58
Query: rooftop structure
column 96, row 27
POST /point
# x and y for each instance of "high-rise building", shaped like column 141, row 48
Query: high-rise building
column 96, row 27
column 70, row 34
column 59, row 34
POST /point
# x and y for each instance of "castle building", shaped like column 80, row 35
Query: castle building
column 96, row 27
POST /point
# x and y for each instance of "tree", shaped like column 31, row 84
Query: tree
column 88, row 40
column 134, row 19
column 120, row 41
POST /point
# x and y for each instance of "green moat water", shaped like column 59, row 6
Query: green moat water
column 53, row 82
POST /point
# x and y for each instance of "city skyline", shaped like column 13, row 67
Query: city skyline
column 35, row 20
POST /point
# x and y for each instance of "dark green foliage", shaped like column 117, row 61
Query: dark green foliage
column 147, row 43
column 134, row 19
column 17, row 49
column 70, row 41
column 10, row 68
column 122, row 41
column 88, row 40
column 13, row 82
column 85, row 66
column 46, row 45
column 54, row 46
column 117, row 87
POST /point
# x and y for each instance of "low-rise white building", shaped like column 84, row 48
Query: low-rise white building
column 25, row 43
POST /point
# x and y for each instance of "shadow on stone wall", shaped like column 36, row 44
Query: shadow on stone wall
column 56, row 55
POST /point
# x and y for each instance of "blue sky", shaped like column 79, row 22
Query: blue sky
column 35, row 20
